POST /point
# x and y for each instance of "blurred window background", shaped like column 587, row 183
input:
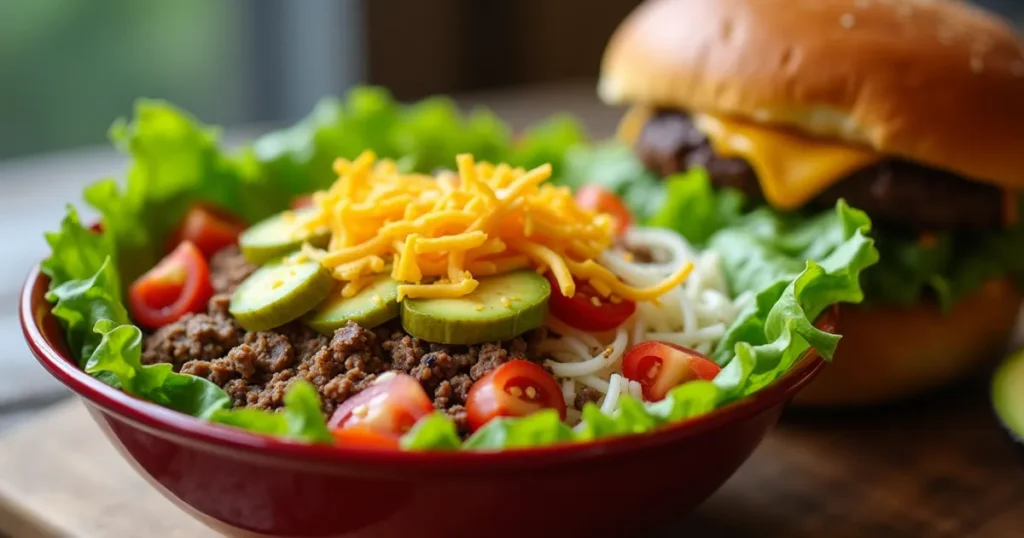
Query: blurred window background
column 68, row 67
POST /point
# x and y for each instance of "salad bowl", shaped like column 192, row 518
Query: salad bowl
column 244, row 484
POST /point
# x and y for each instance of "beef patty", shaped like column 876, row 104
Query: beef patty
column 894, row 191
column 256, row 368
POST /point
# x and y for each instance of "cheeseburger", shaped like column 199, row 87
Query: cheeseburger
column 910, row 110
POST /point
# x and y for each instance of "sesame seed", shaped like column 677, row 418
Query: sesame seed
column 848, row 20
column 861, row 4
column 904, row 11
column 1017, row 69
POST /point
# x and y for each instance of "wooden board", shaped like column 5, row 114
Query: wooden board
column 938, row 467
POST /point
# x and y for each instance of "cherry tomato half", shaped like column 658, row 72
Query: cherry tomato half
column 364, row 437
column 597, row 199
column 209, row 228
column 514, row 389
column 659, row 367
column 179, row 284
column 389, row 407
column 302, row 201
column 586, row 310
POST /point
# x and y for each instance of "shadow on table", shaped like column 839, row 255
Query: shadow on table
column 935, row 466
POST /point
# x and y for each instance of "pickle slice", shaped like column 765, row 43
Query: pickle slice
column 500, row 308
column 279, row 235
column 375, row 304
column 278, row 293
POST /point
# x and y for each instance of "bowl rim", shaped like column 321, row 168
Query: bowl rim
column 38, row 325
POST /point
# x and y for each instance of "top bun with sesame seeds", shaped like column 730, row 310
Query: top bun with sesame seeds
column 933, row 81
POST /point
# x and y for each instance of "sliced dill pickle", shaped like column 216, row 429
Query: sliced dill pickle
column 278, row 293
column 375, row 304
column 500, row 308
column 279, row 235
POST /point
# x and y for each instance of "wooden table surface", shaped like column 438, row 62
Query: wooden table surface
column 939, row 466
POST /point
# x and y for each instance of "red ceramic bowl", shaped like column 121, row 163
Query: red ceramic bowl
column 244, row 484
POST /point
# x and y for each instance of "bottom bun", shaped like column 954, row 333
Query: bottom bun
column 889, row 353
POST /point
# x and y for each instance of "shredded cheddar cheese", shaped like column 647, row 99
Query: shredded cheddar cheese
column 436, row 235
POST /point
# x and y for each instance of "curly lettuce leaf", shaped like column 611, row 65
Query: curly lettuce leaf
column 691, row 207
column 539, row 429
column 422, row 137
column 175, row 162
column 301, row 418
column 84, row 252
column 946, row 266
column 433, row 432
column 615, row 168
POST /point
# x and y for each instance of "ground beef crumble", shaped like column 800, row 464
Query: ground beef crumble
column 585, row 395
column 256, row 368
column 228, row 269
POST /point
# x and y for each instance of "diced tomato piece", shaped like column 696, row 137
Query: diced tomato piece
column 179, row 284
column 659, row 367
column 586, row 309
column 208, row 228
column 364, row 437
column 514, row 389
column 597, row 199
column 302, row 201
column 389, row 407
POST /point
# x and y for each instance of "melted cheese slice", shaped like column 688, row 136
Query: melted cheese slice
column 632, row 123
column 792, row 169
